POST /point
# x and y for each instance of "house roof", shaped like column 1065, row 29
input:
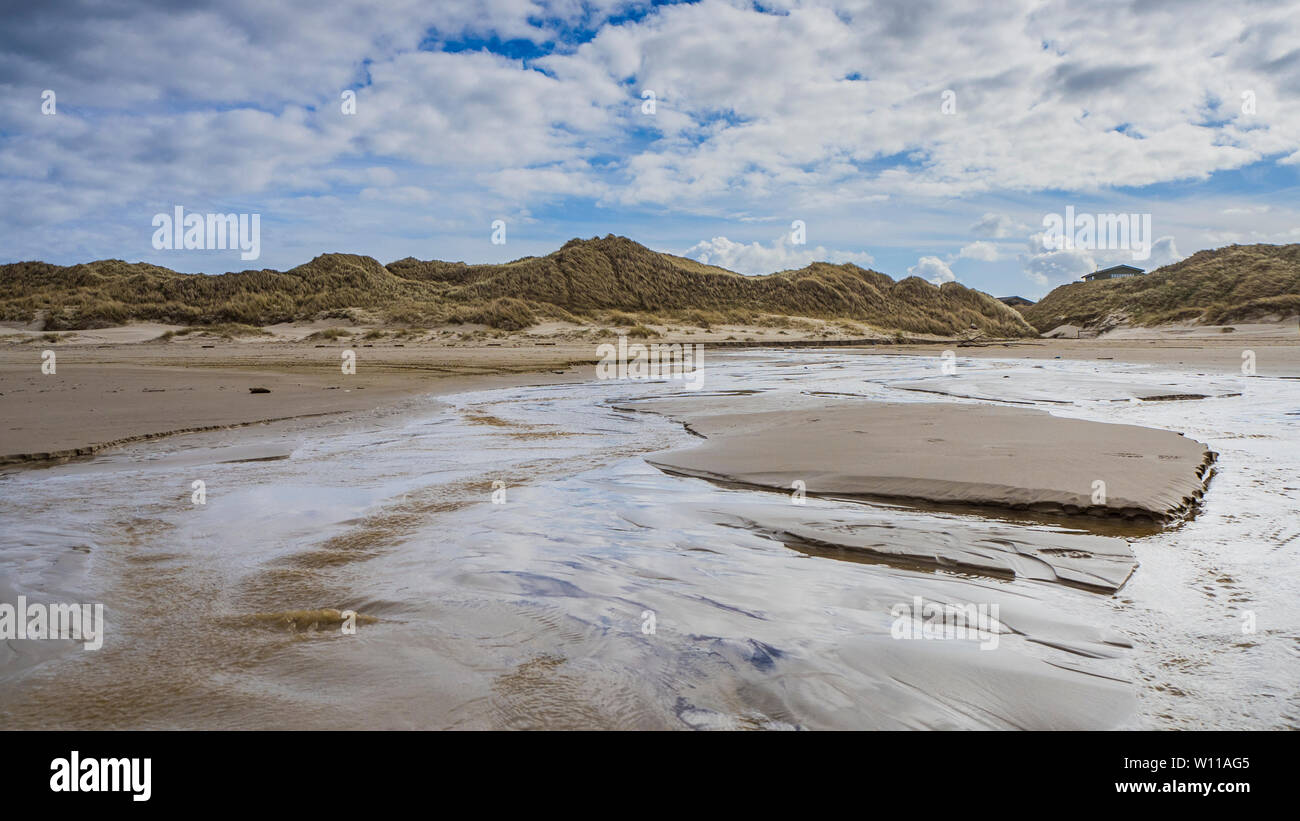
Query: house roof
column 1116, row 268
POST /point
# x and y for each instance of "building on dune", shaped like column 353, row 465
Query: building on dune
column 1114, row 272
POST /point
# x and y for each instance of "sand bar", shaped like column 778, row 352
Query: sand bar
column 990, row 456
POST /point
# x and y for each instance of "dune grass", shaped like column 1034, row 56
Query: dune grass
column 1225, row 285
column 584, row 281
column 329, row 334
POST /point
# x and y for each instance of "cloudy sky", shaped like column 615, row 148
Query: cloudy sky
column 908, row 136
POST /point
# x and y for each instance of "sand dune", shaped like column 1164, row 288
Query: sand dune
column 1211, row 288
column 584, row 278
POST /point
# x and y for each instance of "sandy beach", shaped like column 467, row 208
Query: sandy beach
column 115, row 385
column 106, row 395
column 500, row 520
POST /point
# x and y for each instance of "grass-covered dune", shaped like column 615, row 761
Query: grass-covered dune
column 1225, row 285
column 585, row 278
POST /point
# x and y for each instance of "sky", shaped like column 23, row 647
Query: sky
column 911, row 137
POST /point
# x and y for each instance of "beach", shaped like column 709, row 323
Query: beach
column 530, row 549
column 115, row 385
column 102, row 396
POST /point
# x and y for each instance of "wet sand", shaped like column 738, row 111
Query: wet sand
column 107, row 391
column 967, row 454
column 957, row 543
column 953, row 454
column 1277, row 354
column 963, row 455
column 104, row 397
column 531, row 613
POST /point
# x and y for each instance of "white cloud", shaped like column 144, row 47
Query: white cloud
column 998, row 226
column 236, row 107
column 1163, row 252
column 1059, row 267
column 756, row 258
column 933, row 269
column 981, row 250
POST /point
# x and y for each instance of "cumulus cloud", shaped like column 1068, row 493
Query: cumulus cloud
column 756, row 258
column 1164, row 251
column 981, row 250
column 235, row 106
column 997, row 226
column 933, row 269
column 1057, row 267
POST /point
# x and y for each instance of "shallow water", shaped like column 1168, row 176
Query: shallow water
column 536, row 613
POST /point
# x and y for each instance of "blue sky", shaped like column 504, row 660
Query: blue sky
column 908, row 136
